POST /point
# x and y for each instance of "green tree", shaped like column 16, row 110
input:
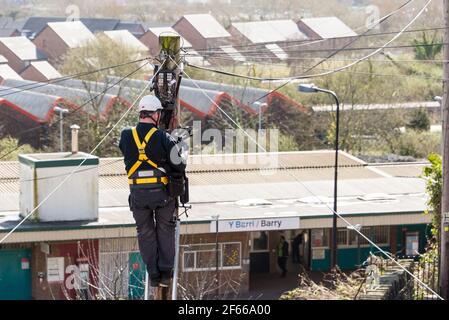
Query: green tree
column 434, row 186
column 428, row 47
column 419, row 121
column 94, row 123
column 9, row 143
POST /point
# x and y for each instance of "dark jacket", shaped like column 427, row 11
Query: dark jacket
column 158, row 149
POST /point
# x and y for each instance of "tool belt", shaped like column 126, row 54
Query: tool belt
column 176, row 184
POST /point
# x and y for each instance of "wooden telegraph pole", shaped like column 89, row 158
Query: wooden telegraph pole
column 166, row 88
column 444, row 230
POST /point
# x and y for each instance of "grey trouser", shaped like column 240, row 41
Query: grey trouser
column 153, row 211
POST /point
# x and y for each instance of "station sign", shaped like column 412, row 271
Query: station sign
column 243, row 225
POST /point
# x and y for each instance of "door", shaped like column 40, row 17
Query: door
column 259, row 255
column 15, row 274
column 136, row 284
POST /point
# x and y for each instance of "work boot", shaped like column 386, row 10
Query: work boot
column 166, row 277
column 155, row 280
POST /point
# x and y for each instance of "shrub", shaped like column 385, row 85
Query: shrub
column 419, row 144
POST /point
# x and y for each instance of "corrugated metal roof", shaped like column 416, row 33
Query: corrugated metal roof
column 22, row 47
column 207, row 25
column 67, row 90
column 157, row 31
column 329, row 27
column 270, row 31
column 47, row 70
column 6, row 72
column 37, row 104
column 73, row 33
column 215, row 189
column 127, row 39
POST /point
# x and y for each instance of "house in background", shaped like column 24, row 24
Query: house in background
column 325, row 28
column 40, row 71
column 34, row 25
column 203, row 31
column 126, row 39
column 330, row 32
column 266, row 37
column 151, row 39
column 9, row 32
column 58, row 37
column 19, row 51
column 7, row 73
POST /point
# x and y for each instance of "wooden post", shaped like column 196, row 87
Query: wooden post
column 170, row 75
column 444, row 230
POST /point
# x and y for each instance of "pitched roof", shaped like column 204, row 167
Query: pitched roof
column 46, row 69
column 233, row 53
column 6, row 72
column 100, row 24
column 68, row 91
column 270, row 31
column 7, row 32
column 37, row 24
column 207, row 25
column 126, row 38
column 135, row 28
column 38, row 106
column 23, row 48
column 10, row 23
column 157, row 31
column 277, row 51
column 329, row 27
column 73, row 33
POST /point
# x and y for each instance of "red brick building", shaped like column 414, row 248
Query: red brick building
column 40, row 71
column 203, row 31
column 19, row 51
column 58, row 37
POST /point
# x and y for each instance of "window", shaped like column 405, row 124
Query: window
column 380, row 235
column 342, row 236
column 231, row 255
column 259, row 241
column 320, row 238
column 202, row 257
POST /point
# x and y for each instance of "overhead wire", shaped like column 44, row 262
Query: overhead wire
column 30, row 86
column 299, row 43
column 81, row 163
column 311, row 192
column 305, row 76
column 74, row 110
column 282, row 51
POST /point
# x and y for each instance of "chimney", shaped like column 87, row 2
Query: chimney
column 75, row 129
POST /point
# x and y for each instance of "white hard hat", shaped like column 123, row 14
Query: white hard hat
column 150, row 103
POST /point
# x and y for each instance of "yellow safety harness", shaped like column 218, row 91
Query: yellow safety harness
column 144, row 158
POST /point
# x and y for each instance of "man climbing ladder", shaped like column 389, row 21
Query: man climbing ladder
column 151, row 157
